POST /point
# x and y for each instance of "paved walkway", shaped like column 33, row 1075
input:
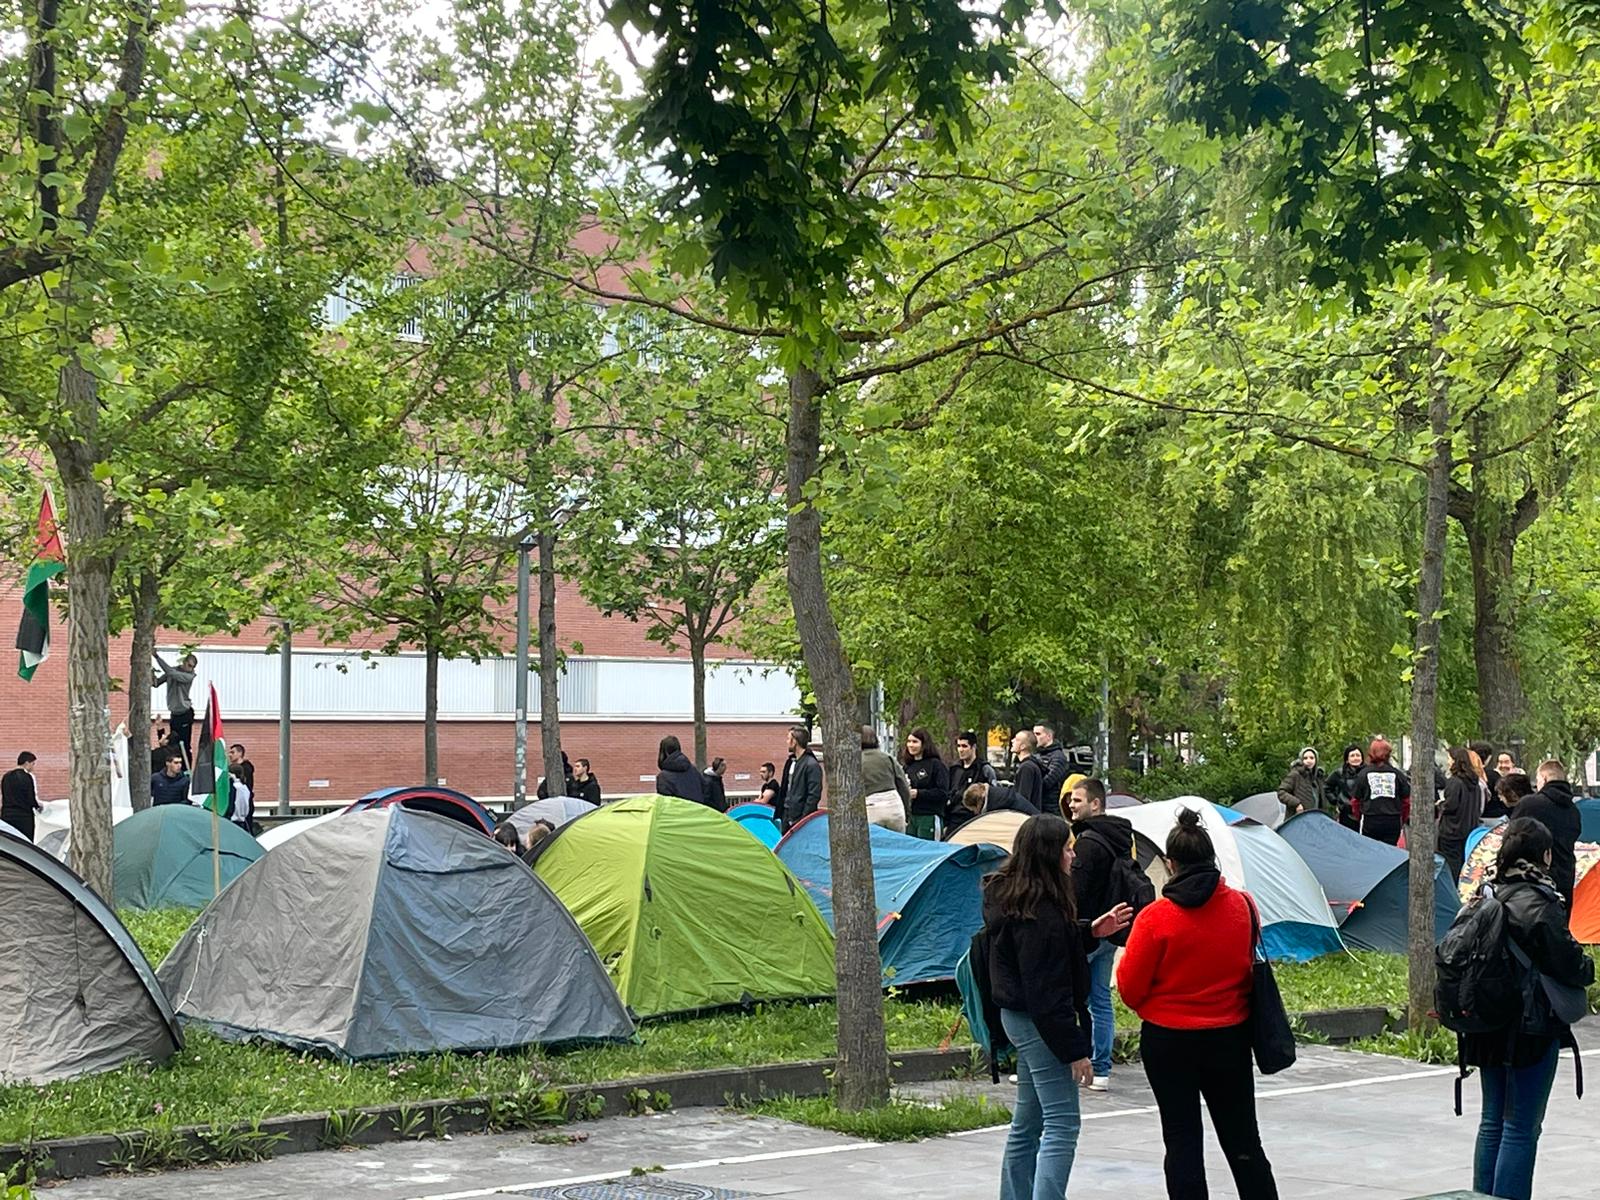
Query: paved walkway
column 1339, row 1126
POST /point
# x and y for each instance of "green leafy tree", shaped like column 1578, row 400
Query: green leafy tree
column 685, row 520
column 136, row 312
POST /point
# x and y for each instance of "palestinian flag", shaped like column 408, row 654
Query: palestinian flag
column 49, row 560
column 211, row 786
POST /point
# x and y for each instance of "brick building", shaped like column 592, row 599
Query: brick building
column 357, row 725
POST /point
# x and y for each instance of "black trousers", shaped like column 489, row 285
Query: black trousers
column 1186, row 1065
column 1382, row 829
column 182, row 730
column 1455, row 856
column 21, row 821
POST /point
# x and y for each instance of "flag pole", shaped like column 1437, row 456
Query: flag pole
column 216, row 854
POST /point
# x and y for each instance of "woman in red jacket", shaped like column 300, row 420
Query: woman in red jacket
column 1186, row 973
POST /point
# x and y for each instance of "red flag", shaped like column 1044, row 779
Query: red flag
column 49, row 532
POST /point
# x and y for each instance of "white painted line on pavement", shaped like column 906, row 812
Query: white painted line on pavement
column 1270, row 1094
column 700, row 1165
column 854, row 1147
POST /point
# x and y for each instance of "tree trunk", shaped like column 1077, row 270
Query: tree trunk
column 146, row 609
column 697, row 666
column 1421, row 837
column 550, row 670
column 88, row 644
column 862, row 1076
column 1120, row 763
column 430, row 713
column 1492, row 543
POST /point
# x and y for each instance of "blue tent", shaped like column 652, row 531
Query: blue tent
column 758, row 821
column 442, row 801
column 929, row 894
column 1366, row 882
column 1589, row 814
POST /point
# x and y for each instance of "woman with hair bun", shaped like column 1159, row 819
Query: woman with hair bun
column 1187, row 974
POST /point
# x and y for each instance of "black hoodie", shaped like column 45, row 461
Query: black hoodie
column 1096, row 842
column 678, row 777
column 1553, row 808
column 1192, row 886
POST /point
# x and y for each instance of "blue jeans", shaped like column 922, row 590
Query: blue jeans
column 1508, row 1135
column 1044, row 1123
column 1100, row 1010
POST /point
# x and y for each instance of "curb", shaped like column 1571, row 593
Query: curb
column 1339, row 1025
column 301, row 1133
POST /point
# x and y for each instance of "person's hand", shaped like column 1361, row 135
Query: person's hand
column 1115, row 921
column 1298, row 809
column 913, row 793
column 1082, row 1072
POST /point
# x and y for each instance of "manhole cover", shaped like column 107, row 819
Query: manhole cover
column 634, row 1189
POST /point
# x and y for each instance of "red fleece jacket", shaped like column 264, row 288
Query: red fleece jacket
column 1189, row 968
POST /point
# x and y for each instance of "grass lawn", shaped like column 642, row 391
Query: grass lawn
column 214, row 1081
column 899, row 1121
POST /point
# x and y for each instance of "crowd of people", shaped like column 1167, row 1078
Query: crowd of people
column 1370, row 793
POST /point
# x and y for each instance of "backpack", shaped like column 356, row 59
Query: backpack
column 1128, row 885
column 980, row 1010
column 1480, row 987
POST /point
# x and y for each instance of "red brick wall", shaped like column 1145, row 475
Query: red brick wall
column 357, row 756
column 476, row 756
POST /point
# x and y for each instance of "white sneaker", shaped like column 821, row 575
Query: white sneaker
column 1013, row 1079
column 1100, row 1083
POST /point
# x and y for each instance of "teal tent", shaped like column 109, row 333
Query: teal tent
column 162, row 857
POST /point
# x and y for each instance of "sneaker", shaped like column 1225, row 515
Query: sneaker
column 1100, row 1083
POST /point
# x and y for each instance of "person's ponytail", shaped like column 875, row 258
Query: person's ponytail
column 1189, row 844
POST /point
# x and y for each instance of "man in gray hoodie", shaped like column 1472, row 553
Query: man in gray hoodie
column 180, row 708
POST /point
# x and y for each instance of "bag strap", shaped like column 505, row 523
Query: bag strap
column 1462, row 1071
column 1257, row 944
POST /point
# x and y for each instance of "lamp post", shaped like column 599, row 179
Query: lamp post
column 285, row 716
column 519, row 782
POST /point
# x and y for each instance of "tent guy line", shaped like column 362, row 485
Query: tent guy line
column 853, row 1147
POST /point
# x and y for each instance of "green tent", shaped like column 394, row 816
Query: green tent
column 686, row 909
column 161, row 857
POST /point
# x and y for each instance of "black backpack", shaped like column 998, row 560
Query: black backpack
column 1128, row 885
column 1480, row 987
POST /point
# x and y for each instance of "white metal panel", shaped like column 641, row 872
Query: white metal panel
column 331, row 683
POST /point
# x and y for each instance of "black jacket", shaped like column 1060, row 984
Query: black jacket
column 167, row 790
column 1537, row 920
column 804, row 791
column 1030, row 782
column 1096, row 842
column 1341, row 788
column 678, row 777
column 18, row 793
column 1462, row 807
column 716, row 794
column 1383, row 791
column 1053, row 762
column 1303, row 789
column 588, row 790
column 961, row 778
column 930, row 780
column 1005, row 798
column 1040, row 967
column 1553, row 808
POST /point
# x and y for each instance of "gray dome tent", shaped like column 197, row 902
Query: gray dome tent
column 390, row 932
column 79, row 995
